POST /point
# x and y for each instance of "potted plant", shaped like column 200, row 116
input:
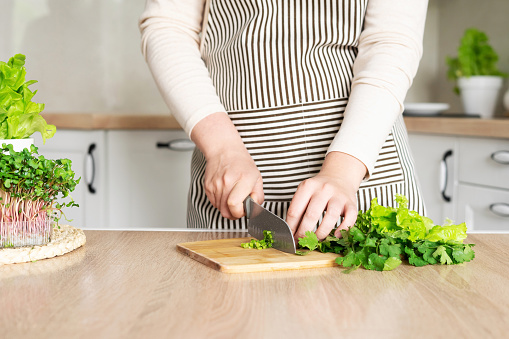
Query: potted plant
column 30, row 184
column 478, row 80
column 19, row 116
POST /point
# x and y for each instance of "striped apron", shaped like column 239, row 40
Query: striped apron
column 283, row 71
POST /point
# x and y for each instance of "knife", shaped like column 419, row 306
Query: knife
column 260, row 219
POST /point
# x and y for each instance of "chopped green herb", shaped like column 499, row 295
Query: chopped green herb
column 266, row 242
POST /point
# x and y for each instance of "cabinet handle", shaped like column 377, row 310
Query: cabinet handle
column 502, row 157
column 90, row 169
column 501, row 209
column 444, row 175
column 179, row 145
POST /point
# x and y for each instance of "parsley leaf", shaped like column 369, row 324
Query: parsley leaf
column 442, row 253
column 310, row 241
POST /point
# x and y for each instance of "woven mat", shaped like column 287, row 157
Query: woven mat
column 63, row 240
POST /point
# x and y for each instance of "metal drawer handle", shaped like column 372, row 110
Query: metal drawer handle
column 502, row 157
column 90, row 169
column 180, row 145
column 444, row 174
column 501, row 209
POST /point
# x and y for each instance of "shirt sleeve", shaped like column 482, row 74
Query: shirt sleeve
column 389, row 51
column 170, row 43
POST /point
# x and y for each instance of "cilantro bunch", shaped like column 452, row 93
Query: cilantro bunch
column 266, row 242
column 19, row 115
column 30, row 184
column 384, row 236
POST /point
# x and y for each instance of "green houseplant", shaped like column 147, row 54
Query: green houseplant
column 19, row 116
column 30, row 184
column 478, row 80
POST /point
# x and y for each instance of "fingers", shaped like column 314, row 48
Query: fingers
column 311, row 199
column 350, row 216
column 298, row 207
column 312, row 215
column 314, row 197
column 212, row 189
column 242, row 189
column 257, row 193
column 227, row 185
column 329, row 221
column 217, row 188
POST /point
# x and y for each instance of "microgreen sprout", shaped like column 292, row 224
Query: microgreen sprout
column 30, row 185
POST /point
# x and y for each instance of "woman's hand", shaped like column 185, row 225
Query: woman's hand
column 230, row 174
column 333, row 190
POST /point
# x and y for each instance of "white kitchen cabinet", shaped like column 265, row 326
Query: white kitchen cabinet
column 86, row 150
column 484, row 162
column 483, row 208
column 435, row 166
column 477, row 179
column 147, row 185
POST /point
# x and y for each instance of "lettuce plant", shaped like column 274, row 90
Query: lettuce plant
column 19, row 115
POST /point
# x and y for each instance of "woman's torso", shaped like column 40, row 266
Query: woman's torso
column 283, row 71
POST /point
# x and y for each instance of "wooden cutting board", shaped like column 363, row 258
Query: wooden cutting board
column 226, row 255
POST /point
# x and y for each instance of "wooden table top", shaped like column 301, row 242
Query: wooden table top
column 489, row 128
column 128, row 284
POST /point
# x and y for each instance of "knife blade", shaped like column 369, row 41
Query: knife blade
column 260, row 219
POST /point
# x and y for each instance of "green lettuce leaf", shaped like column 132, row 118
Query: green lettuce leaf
column 448, row 233
column 19, row 116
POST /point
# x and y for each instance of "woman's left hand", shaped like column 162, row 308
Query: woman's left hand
column 332, row 191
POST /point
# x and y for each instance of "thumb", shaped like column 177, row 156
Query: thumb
column 257, row 192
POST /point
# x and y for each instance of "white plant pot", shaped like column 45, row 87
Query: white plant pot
column 479, row 94
column 18, row 144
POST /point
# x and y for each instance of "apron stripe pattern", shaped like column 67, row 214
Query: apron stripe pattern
column 283, row 70
column 281, row 52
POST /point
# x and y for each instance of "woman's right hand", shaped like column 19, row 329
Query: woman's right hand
column 230, row 176
column 231, row 173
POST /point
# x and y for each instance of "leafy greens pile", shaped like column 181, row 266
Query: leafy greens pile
column 19, row 115
column 383, row 236
column 266, row 242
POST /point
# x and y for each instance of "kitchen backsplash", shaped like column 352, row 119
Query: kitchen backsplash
column 86, row 54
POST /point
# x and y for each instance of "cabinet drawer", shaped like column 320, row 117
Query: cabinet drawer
column 484, row 162
column 483, row 208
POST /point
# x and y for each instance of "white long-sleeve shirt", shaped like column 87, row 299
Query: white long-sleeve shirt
column 389, row 51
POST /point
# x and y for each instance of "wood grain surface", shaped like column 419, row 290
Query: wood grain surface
column 94, row 121
column 475, row 127
column 489, row 128
column 226, row 255
column 137, row 285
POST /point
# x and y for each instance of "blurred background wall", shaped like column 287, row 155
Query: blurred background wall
column 86, row 54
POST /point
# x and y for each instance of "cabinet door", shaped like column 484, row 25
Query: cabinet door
column 483, row 208
column 148, row 185
column 435, row 165
column 484, row 162
column 88, row 163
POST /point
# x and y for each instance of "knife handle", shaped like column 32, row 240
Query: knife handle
column 247, row 206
